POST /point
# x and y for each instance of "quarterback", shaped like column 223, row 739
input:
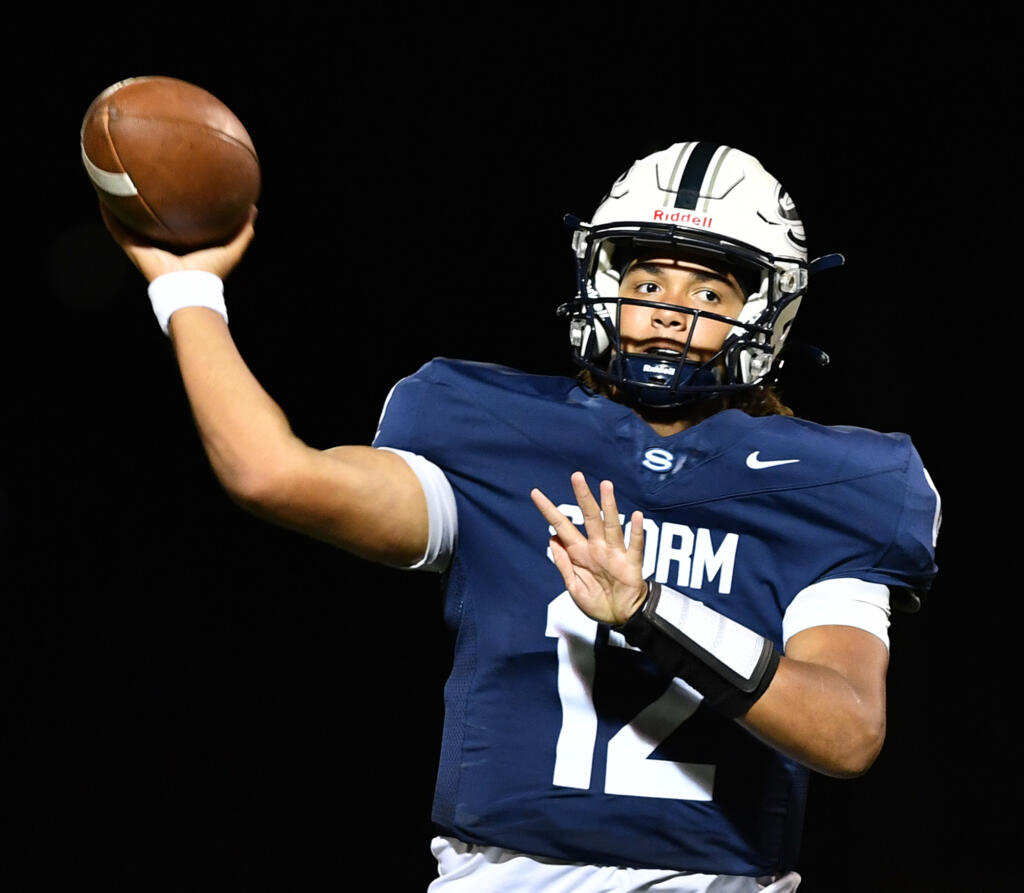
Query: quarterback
column 669, row 597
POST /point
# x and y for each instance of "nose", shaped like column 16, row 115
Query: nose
column 666, row 318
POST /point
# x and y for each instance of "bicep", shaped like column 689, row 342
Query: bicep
column 859, row 657
column 843, row 624
column 361, row 499
column 825, row 706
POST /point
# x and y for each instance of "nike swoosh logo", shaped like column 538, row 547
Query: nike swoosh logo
column 754, row 462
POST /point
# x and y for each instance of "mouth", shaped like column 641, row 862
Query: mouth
column 667, row 352
column 667, row 349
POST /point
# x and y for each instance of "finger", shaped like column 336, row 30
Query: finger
column 245, row 235
column 222, row 259
column 612, row 529
column 578, row 580
column 636, row 537
column 563, row 563
column 588, row 505
column 564, row 529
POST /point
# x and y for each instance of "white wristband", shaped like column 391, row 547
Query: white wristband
column 186, row 288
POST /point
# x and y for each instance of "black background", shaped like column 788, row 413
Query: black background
column 193, row 700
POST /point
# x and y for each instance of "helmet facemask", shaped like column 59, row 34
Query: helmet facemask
column 721, row 205
column 660, row 379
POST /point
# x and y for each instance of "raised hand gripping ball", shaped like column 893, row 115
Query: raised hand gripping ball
column 170, row 161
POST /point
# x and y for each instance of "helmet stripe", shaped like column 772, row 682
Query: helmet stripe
column 693, row 175
column 710, row 191
column 667, row 188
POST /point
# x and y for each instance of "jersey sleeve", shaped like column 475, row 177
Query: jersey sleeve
column 441, row 512
column 408, row 428
column 919, row 534
column 906, row 521
column 428, row 413
column 397, row 426
column 839, row 602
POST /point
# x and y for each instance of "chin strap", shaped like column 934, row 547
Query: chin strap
column 659, row 374
column 730, row 665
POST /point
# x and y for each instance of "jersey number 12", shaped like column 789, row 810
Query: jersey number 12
column 629, row 769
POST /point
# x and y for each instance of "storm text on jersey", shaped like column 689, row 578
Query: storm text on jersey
column 677, row 554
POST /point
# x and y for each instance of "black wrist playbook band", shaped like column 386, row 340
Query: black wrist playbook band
column 730, row 665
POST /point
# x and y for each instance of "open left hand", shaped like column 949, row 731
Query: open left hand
column 602, row 574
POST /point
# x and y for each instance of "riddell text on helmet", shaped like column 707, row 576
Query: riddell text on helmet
column 682, row 217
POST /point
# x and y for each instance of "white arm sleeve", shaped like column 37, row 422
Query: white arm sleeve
column 444, row 523
column 840, row 602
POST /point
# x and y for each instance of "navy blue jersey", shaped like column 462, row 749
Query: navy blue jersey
column 559, row 739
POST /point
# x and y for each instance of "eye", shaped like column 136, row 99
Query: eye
column 708, row 296
column 647, row 288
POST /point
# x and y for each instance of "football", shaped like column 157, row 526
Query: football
column 170, row 161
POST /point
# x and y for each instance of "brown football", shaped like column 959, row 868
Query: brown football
column 170, row 161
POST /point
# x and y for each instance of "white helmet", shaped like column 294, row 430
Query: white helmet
column 723, row 205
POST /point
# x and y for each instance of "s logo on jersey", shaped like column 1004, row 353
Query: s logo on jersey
column 657, row 459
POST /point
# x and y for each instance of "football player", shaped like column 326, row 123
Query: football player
column 642, row 679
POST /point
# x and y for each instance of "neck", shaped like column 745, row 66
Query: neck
column 666, row 429
column 760, row 401
column 667, row 422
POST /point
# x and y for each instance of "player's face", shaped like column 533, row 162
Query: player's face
column 680, row 281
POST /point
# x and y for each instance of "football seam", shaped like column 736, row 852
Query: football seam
column 117, row 156
column 212, row 130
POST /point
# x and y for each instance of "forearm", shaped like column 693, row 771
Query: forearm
column 823, row 704
column 355, row 497
column 245, row 433
column 819, row 717
column 363, row 500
